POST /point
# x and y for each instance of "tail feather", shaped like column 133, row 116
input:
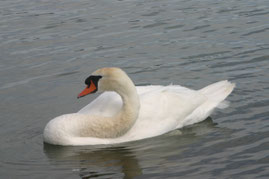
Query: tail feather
column 216, row 94
column 218, row 91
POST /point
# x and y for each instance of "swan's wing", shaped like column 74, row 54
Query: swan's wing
column 163, row 109
column 109, row 103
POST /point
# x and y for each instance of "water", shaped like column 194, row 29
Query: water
column 48, row 48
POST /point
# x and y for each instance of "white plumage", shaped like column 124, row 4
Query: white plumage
column 158, row 110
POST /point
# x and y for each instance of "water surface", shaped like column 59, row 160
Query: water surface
column 48, row 48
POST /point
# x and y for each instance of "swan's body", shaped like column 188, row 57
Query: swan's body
column 136, row 113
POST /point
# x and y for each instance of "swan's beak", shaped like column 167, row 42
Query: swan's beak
column 88, row 90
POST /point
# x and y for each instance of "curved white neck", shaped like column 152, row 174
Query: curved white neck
column 120, row 123
column 129, row 112
column 114, row 126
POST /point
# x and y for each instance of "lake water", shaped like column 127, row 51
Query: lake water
column 48, row 48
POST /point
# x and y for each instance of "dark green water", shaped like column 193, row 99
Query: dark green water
column 47, row 48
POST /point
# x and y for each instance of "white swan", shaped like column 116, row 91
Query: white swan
column 135, row 112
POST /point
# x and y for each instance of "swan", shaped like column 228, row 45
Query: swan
column 125, row 112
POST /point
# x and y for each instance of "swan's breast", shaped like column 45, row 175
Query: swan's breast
column 58, row 129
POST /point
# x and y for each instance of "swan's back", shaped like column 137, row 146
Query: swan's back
column 109, row 103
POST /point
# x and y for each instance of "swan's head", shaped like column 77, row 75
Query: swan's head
column 106, row 79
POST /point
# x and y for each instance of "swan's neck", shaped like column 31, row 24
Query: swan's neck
column 129, row 112
column 118, row 125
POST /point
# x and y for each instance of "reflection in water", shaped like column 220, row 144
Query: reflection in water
column 94, row 162
column 97, row 161
column 201, row 128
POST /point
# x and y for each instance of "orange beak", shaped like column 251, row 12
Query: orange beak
column 88, row 90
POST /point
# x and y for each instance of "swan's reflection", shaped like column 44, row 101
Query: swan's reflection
column 122, row 161
column 94, row 161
